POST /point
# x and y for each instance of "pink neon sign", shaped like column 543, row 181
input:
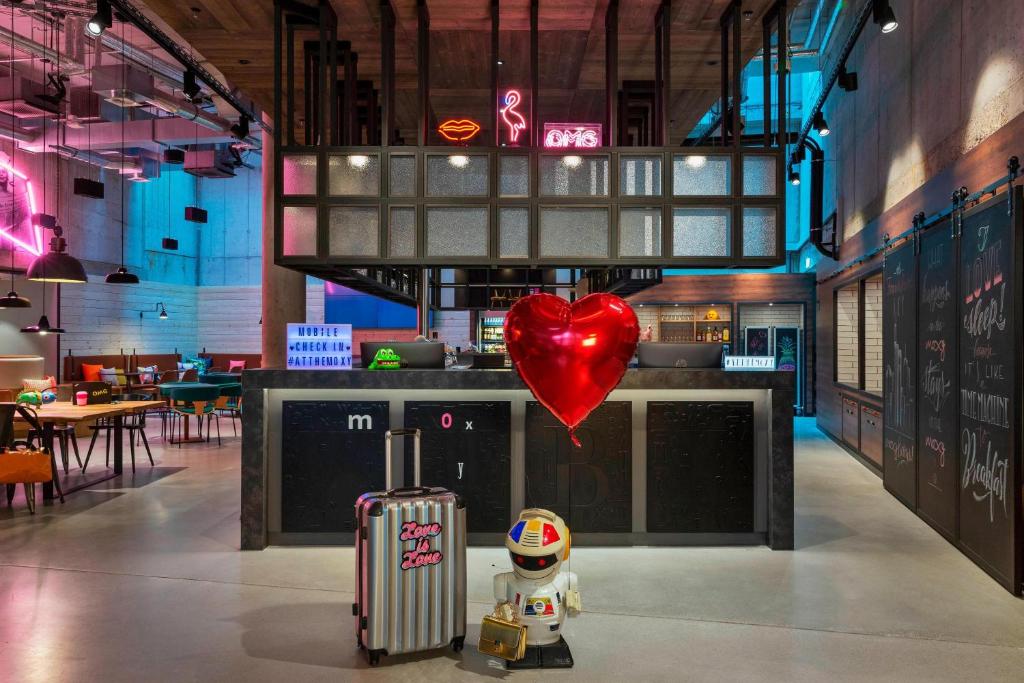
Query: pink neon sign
column 514, row 121
column 572, row 135
column 12, row 209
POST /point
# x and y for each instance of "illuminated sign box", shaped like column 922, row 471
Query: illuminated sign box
column 572, row 135
column 319, row 347
column 750, row 362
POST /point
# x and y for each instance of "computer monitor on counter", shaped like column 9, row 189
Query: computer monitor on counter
column 665, row 355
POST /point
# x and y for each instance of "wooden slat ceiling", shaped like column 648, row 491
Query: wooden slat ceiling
column 236, row 36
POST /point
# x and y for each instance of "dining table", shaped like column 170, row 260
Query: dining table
column 168, row 389
column 49, row 415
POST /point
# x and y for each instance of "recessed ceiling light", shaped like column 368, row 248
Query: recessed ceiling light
column 572, row 160
column 696, row 161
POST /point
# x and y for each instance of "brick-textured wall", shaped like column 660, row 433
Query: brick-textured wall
column 452, row 327
column 873, row 334
column 847, row 352
column 778, row 315
column 101, row 318
column 648, row 315
column 229, row 317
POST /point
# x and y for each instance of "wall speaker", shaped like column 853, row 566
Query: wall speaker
column 174, row 156
column 84, row 187
column 170, row 243
column 194, row 214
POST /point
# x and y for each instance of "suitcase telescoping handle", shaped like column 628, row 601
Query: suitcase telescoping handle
column 415, row 434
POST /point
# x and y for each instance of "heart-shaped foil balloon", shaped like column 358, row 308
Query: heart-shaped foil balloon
column 571, row 355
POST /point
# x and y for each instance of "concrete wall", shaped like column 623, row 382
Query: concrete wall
column 229, row 317
column 947, row 79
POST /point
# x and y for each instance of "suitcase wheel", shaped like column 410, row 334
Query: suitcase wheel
column 374, row 657
column 458, row 643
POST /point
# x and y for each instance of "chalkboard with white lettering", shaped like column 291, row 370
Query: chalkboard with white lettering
column 332, row 452
column 989, row 344
column 899, row 347
column 937, row 439
column 466, row 446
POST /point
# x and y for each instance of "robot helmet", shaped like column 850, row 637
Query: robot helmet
column 537, row 542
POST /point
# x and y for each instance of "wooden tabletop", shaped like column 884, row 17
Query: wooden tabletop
column 66, row 412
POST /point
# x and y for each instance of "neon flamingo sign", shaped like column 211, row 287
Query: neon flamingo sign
column 514, row 121
column 11, row 207
column 572, row 135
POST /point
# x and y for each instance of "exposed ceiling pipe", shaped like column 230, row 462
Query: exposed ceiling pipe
column 39, row 50
column 13, row 132
column 190, row 112
column 140, row 58
column 121, row 164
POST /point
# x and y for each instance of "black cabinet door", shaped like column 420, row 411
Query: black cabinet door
column 591, row 486
column 899, row 382
column 466, row 447
column 700, row 466
column 332, row 452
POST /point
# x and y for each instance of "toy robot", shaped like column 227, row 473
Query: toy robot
column 542, row 595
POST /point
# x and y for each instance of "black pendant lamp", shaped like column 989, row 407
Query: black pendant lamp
column 121, row 276
column 42, row 327
column 57, row 265
column 12, row 300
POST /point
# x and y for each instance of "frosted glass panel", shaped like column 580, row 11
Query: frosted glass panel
column 457, row 175
column 402, row 231
column 640, row 232
column 514, row 228
column 299, row 231
column 572, row 232
column 403, row 176
column 700, row 232
column 758, row 231
column 515, row 176
column 699, row 175
column 354, row 231
column 300, row 174
column 354, row 175
column 456, row 231
column 574, row 175
column 640, row 176
column 758, row 175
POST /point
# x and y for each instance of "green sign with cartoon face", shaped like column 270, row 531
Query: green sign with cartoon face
column 385, row 359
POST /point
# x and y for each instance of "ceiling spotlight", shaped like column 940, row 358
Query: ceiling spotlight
column 501, row 63
column 794, row 177
column 191, row 88
column 241, row 129
column 458, row 160
column 101, row 21
column 884, row 16
column 696, row 161
column 847, row 79
column 358, row 160
column 821, row 125
column 572, row 160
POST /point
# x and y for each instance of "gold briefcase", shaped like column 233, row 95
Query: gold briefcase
column 501, row 634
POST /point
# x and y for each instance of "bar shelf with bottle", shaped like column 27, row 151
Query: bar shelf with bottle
column 702, row 323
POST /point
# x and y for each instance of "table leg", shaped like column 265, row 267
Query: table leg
column 46, row 441
column 118, row 443
column 185, row 418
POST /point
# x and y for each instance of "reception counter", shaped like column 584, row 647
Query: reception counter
column 672, row 457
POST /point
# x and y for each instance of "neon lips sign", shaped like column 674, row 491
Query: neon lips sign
column 572, row 135
column 458, row 130
column 13, row 214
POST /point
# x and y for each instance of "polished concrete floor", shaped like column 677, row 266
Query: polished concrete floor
column 141, row 580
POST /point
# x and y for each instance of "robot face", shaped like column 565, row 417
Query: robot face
column 537, row 543
column 534, row 564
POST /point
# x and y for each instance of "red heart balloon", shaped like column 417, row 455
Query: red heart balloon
column 571, row 355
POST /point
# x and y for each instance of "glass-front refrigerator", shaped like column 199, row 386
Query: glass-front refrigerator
column 491, row 333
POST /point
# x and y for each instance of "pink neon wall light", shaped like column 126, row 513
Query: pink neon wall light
column 35, row 247
column 515, row 123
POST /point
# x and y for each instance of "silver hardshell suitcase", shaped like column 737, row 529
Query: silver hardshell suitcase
column 410, row 566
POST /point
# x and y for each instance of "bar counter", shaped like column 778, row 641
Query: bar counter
column 672, row 457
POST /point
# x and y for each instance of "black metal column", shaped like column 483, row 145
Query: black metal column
column 423, row 65
column 387, row 72
column 611, row 73
column 495, row 55
column 534, row 71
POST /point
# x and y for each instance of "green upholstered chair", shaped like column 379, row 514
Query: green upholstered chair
column 230, row 402
column 194, row 400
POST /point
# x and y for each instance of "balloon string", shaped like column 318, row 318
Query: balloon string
column 575, row 439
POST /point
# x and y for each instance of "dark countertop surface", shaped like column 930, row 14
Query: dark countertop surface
column 637, row 378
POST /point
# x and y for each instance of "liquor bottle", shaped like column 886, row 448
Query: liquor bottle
column 725, row 333
column 714, row 334
column 700, row 335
